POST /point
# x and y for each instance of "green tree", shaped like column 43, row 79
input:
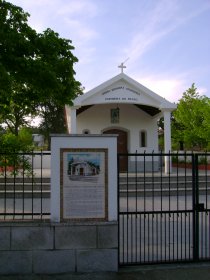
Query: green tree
column 22, row 142
column 13, row 147
column 15, row 113
column 52, row 121
column 191, row 120
column 35, row 68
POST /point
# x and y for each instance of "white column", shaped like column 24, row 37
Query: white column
column 167, row 139
column 73, row 124
column 55, row 181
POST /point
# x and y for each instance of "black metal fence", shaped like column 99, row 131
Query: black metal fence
column 24, row 186
column 164, row 208
column 164, row 202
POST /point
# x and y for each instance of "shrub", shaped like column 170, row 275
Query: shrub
column 12, row 151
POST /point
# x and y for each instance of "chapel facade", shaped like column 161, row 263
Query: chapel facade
column 124, row 107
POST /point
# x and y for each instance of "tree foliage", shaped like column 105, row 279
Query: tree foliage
column 53, row 121
column 23, row 142
column 35, row 68
column 12, row 158
column 191, row 120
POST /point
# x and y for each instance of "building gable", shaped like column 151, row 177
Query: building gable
column 122, row 89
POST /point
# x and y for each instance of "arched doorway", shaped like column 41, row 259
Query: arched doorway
column 122, row 141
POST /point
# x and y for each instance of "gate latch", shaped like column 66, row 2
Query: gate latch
column 200, row 207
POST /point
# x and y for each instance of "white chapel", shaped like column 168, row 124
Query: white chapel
column 124, row 107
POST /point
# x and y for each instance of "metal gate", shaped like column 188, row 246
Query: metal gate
column 164, row 217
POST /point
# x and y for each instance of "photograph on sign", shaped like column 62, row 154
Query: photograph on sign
column 83, row 193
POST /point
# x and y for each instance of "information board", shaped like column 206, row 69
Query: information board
column 83, row 184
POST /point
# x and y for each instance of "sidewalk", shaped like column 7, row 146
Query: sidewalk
column 191, row 271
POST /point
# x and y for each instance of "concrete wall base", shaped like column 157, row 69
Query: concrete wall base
column 58, row 248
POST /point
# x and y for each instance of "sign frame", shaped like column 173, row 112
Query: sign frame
column 68, row 185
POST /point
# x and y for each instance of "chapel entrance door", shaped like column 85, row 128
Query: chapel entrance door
column 122, row 141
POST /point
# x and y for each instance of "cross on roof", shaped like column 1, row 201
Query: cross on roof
column 122, row 67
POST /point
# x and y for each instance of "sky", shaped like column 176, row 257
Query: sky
column 165, row 43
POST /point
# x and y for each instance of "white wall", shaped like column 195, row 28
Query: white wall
column 41, row 159
column 132, row 119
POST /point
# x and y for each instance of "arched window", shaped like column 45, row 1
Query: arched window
column 143, row 138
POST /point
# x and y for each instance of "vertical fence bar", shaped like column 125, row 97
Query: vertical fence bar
column 153, row 205
column 131, row 238
column 191, row 215
column 23, row 192
column 161, row 182
column 127, row 184
column 195, row 208
column 144, row 176
column 140, row 230
column 206, row 180
column 5, row 188
column 169, row 214
column 120, row 231
column 148, row 237
column 201, row 241
column 185, row 203
column 157, row 243
column 206, row 207
column 144, row 240
column 136, row 185
column 177, row 188
column 173, row 239
column 169, row 183
column 165, row 235
column 41, row 186
column 181, row 233
column 14, row 184
column 127, row 216
column 32, row 186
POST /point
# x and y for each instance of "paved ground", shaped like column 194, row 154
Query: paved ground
column 156, row 272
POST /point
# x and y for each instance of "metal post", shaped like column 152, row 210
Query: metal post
column 195, row 207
